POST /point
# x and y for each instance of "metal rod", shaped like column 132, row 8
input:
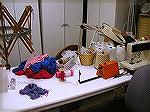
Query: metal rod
column 93, row 78
column 84, row 20
column 41, row 25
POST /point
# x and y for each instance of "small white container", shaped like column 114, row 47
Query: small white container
column 3, row 80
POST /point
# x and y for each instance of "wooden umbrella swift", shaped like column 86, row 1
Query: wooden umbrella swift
column 16, row 31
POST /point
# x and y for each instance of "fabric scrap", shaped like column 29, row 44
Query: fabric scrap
column 35, row 59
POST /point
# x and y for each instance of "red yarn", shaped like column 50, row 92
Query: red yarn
column 29, row 73
column 36, row 76
column 19, row 73
column 42, row 74
column 45, row 74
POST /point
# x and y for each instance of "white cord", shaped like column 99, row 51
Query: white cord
column 65, row 82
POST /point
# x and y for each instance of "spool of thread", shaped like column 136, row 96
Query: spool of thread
column 58, row 74
column 120, row 53
column 62, row 77
column 101, row 58
column 112, row 53
column 67, row 73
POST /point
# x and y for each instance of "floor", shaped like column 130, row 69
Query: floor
column 91, row 104
column 97, row 103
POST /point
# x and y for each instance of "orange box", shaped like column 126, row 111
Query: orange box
column 108, row 69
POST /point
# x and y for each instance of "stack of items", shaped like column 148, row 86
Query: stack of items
column 39, row 67
column 68, row 59
column 106, row 51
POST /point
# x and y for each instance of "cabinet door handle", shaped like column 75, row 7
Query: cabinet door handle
column 63, row 25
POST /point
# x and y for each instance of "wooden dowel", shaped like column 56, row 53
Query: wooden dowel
column 10, row 23
column 3, row 56
column 29, row 44
column 26, row 45
column 22, row 17
column 11, row 45
column 27, row 17
column 11, row 18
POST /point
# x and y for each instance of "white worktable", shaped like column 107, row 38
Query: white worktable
column 59, row 92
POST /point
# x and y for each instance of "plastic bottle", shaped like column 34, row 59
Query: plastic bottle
column 3, row 80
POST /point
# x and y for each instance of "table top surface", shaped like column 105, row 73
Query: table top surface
column 59, row 92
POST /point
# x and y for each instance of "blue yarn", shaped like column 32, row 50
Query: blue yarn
column 33, row 91
column 36, row 67
column 20, row 67
column 34, row 95
column 41, row 91
column 49, row 64
column 15, row 70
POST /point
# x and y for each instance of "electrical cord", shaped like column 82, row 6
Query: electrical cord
column 66, row 82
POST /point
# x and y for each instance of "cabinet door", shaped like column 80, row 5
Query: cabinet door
column 60, row 24
column 93, row 17
column 100, row 11
column 53, row 33
column 72, row 17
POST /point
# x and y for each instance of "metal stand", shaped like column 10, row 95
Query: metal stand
column 87, row 79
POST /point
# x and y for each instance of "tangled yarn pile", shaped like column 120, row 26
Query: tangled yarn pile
column 39, row 67
column 33, row 91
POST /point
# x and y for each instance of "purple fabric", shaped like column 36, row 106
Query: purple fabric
column 33, row 91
